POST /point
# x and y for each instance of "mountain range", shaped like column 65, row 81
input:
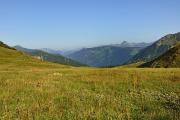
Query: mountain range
column 128, row 44
column 151, row 54
column 156, row 49
column 10, row 56
column 60, row 52
column 12, row 59
column 55, row 58
column 51, row 51
column 109, row 55
column 101, row 56
column 169, row 59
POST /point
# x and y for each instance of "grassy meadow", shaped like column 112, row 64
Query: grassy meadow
column 54, row 92
column 34, row 90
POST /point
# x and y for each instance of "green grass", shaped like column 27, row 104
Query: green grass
column 170, row 59
column 132, row 65
column 54, row 58
column 84, row 93
column 35, row 90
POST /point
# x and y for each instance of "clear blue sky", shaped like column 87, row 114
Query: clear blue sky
column 69, row 24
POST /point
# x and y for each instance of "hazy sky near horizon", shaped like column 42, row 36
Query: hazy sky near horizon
column 66, row 24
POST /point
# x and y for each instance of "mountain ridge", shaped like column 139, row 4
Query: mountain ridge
column 169, row 59
column 104, row 56
column 2, row 44
column 156, row 49
column 55, row 58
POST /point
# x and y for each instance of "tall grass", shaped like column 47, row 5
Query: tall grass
column 87, row 93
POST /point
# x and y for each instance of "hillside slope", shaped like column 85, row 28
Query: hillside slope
column 104, row 55
column 156, row 49
column 5, row 46
column 32, row 89
column 55, row 58
column 11, row 59
column 170, row 59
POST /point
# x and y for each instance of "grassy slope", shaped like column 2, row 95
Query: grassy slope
column 31, row 89
column 170, row 59
column 5, row 46
column 132, row 65
column 12, row 59
column 55, row 58
column 156, row 49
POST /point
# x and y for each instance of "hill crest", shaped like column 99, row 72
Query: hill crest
column 157, row 48
column 169, row 59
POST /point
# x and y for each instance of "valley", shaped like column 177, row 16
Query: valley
column 35, row 89
column 61, row 92
column 89, row 60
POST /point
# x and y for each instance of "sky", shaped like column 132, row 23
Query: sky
column 69, row 24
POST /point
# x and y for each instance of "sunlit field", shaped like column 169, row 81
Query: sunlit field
column 61, row 92
column 89, row 59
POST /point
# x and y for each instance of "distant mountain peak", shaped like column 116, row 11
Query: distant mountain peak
column 51, row 51
column 18, row 46
column 124, row 42
column 129, row 44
